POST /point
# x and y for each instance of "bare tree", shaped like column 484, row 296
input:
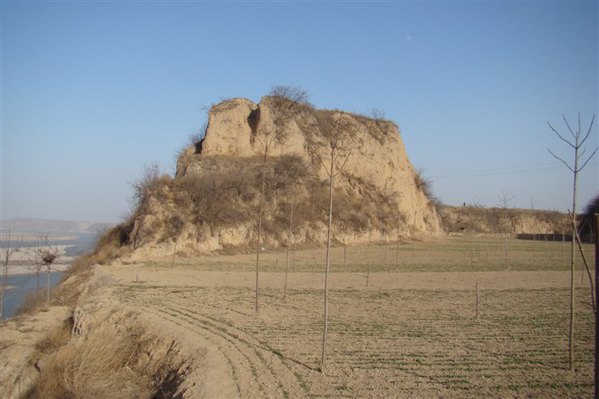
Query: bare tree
column 47, row 255
column 577, row 144
column 143, row 185
column 291, row 173
column 292, row 197
column 8, row 250
column 285, row 102
column 337, row 136
column 504, row 200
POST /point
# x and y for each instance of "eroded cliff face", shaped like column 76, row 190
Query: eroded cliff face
column 377, row 177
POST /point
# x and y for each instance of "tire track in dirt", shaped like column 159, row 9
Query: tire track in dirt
column 259, row 371
column 272, row 371
column 243, row 369
column 249, row 371
column 190, row 328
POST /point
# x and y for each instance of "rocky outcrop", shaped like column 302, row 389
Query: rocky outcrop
column 378, row 193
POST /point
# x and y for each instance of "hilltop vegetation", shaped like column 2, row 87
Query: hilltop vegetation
column 476, row 219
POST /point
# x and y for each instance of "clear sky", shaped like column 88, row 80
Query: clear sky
column 92, row 91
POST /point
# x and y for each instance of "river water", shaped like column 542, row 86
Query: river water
column 20, row 286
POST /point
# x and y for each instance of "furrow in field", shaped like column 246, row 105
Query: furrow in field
column 272, row 371
column 233, row 367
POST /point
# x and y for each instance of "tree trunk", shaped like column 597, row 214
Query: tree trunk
column 258, row 242
column 572, row 261
column 47, row 284
column 288, row 245
column 328, row 262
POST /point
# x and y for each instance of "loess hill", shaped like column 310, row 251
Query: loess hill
column 212, row 203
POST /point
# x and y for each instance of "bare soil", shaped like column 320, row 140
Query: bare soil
column 402, row 320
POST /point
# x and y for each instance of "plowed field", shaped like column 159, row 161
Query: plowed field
column 403, row 322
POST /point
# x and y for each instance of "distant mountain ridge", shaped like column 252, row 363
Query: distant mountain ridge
column 53, row 226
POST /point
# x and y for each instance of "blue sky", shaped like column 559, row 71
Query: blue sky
column 92, row 91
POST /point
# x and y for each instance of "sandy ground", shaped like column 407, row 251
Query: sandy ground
column 18, row 349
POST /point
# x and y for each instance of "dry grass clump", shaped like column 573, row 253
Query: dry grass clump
column 107, row 364
column 222, row 196
column 111, row 245
column 425, row 185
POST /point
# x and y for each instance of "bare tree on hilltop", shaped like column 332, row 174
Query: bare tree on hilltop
column 576, row 143
column 143, row 185
column 337, row 136
column 285, row 102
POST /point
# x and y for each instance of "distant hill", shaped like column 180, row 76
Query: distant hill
column 18, row 225
column 476, row 219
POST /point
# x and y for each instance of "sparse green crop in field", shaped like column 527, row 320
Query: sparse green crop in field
column 390, row 339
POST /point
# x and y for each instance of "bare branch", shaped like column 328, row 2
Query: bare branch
column 504, row 198
column 560, row 136
column 569, row 128
column 588, row 159
column 588, row 132
column 559, row 159
column 293, row 96
column 324, row 166
column 340, row 169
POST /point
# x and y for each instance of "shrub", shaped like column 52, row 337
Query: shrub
column 426, row 186
column 143, row 185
